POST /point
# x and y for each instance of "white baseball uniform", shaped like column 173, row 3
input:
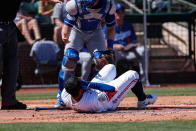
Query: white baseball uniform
column 94, row 100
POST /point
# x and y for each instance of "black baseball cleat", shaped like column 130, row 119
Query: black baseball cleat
column 17, row 106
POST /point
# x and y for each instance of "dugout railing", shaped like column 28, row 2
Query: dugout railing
column 174, row 29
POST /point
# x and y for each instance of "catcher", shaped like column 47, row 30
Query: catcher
column 82, row 26
column 104, row 93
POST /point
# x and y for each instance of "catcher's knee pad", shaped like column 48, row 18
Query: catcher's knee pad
column 70, row 59
column 102, row 58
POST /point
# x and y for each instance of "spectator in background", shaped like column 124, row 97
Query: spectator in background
column 59, row 15
column 45, row 12
column 28, row 25
column 30, row 7
column 126, row 45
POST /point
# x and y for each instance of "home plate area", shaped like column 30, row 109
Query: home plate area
column 165, row 108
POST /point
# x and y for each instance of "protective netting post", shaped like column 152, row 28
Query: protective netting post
column 145, row 44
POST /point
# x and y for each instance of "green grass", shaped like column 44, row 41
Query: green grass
column 169, row 91
column 107, row 126
column 159, row 91
column 36, row 96
column 100, row 126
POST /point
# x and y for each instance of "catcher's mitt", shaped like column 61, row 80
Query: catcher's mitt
column 107, row 57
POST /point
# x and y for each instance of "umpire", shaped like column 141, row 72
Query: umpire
column 9, row 54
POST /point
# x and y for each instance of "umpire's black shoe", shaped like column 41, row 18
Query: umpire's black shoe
column 17, row 106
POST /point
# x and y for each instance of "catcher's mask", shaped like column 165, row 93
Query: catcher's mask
column 73, row 86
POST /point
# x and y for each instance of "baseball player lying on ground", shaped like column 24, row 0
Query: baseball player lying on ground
column 104, row 92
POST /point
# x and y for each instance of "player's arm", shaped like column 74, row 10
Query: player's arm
column 110, row 23
column 65, row 33
column 110, row 36
column 99, row 86
column 70, row 20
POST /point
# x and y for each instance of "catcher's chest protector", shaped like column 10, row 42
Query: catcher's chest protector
column 90, row 19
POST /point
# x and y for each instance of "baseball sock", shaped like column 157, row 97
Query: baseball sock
column 138, row 91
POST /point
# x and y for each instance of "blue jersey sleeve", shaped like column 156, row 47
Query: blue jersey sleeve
column 99, row 86
column 70, row 20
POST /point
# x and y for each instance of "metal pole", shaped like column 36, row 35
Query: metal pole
column 145, row 44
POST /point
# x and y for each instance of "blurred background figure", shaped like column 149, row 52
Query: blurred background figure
column 58, row 16
column 126, row 45
column 28, row 26
column 45, row 11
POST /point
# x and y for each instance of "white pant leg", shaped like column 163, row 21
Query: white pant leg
column 123, row 85
column 106, row 74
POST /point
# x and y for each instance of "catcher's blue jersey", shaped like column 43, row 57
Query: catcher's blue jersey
column 90, row 19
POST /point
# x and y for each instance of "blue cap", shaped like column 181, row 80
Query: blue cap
column 120, row 7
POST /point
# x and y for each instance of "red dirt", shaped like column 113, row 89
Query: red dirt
column 165, row 108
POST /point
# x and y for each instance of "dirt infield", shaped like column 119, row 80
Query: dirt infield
column 165, row 108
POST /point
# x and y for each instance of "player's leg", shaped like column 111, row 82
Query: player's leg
column 143, row 99
column 67, row 70
column 123, row 85
column 106, row 74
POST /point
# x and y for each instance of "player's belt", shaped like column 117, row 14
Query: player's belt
column 6, row 22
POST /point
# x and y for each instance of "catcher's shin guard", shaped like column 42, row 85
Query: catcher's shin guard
column 70, row 59
column 69, row 63
column 102, row 58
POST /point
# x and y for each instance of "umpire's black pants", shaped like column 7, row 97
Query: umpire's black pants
column 8, row 63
